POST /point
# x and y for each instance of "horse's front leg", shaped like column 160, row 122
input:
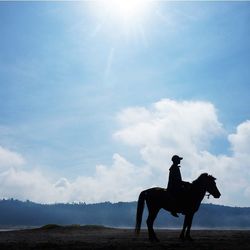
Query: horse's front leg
column 182, row 235
column 189, row 224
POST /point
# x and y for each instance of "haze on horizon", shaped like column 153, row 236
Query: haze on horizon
column 97, row 96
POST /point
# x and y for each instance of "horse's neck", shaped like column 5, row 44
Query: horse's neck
column 199, row 191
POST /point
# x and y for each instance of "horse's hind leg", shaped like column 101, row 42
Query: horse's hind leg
column 152, row 213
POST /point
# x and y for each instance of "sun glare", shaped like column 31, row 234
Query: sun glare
column 122, row 14
column 127, row 10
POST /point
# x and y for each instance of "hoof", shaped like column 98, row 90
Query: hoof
column 154, row 240
column 189, row 238
column 182, row 237
column 185, row 238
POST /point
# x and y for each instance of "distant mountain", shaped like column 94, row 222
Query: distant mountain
column 121, row 214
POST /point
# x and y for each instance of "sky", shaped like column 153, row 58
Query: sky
column 96, row 97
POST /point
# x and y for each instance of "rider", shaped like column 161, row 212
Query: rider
column 175, row 184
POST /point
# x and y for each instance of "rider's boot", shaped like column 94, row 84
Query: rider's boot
column 174, row 214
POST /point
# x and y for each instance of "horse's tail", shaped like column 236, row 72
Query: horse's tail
column 140, row 207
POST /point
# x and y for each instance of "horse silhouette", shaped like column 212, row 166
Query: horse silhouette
column 157, row 198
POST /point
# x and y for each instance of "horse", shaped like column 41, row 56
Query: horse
column 157, row 198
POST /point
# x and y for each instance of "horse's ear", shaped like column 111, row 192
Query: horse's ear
column 212, row 177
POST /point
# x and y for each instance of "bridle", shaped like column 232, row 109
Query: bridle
column 208, row 195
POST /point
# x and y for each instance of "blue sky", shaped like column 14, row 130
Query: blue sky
column 68, row 70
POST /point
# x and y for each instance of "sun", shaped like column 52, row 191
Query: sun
column 127, row 10
column 122, row 15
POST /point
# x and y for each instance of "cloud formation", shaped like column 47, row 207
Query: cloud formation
column 169, row 122
column 169, row 127
column 156, row 133
column 9, row 158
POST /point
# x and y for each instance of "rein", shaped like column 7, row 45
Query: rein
column 208, row 195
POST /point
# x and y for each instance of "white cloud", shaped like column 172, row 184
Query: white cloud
column 25, row 184
column 121, row 181
column 62, row 183
column 241, row 140
column 10, row 159
column 167, row 127
column 170, row 123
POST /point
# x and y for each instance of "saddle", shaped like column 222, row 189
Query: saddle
column 179, row 197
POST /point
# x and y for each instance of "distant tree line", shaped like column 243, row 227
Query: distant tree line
column 121, row 214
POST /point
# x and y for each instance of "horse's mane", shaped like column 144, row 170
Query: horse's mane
column 202, row 177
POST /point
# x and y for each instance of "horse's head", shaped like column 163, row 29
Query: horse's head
column 210, row 185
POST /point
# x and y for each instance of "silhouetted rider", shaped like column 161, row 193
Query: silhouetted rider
column 175, row 184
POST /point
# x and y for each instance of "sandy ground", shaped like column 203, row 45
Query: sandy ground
column 108, row 238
